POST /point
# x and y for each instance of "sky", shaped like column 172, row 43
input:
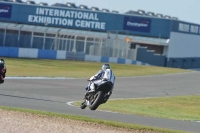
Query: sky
column 185, row 10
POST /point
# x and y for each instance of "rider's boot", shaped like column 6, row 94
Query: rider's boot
column 107, row 96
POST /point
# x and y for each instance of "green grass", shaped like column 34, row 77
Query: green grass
column 179, row 108
column 77, row 69
column 130, row 127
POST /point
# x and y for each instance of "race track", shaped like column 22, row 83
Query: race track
column 53, row 95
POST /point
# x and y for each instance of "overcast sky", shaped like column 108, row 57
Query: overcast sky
column 186, row 10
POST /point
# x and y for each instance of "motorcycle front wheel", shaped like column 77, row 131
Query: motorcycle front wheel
column 83, row 104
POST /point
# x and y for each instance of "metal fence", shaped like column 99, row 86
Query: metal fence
column 41, row 37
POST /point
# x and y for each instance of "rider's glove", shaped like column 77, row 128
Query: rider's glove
column 92, row 78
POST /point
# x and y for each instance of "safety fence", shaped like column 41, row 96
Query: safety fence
column 14, row 52
column 49, row 38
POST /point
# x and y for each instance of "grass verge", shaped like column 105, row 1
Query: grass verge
column 87, row 119
column 77, row 69
column 179, row 107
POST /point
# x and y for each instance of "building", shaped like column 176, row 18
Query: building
column 67, row 31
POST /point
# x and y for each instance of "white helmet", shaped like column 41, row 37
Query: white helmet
column 105, row 66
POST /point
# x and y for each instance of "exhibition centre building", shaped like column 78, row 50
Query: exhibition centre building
column 71, row 32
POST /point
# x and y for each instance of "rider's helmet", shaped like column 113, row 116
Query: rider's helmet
column 2, row 61
column 105, row 66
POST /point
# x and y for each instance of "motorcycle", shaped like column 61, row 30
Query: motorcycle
column 99, row 96
column 2, row 72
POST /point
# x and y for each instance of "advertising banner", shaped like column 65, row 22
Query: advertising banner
column 137, row 24
column 5, row 11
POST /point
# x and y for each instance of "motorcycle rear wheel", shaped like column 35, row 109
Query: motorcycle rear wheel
column 97, row 101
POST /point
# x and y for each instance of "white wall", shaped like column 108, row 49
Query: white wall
column 184, row 45
column 28, row 53
column 92, row 58
column 61, row 55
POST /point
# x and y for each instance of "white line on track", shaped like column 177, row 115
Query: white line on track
column 17, row 77
column 37, row 78
column 71, row 104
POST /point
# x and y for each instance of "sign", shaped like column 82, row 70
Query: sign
column 5, row 11
column 80, row 19
column 137, row 24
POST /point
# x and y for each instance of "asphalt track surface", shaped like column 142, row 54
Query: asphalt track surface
column 53, row 95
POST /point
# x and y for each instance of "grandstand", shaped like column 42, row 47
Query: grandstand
column 79, row 31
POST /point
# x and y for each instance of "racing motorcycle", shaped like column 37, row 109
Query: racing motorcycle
column 2, row 71
column 98, row 96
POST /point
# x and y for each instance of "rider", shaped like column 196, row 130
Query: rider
column 2, row 71
column 105, row 74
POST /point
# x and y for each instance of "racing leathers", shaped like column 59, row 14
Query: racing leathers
column 97, row 79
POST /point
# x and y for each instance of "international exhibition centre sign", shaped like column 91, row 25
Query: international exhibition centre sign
column 62, row 17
